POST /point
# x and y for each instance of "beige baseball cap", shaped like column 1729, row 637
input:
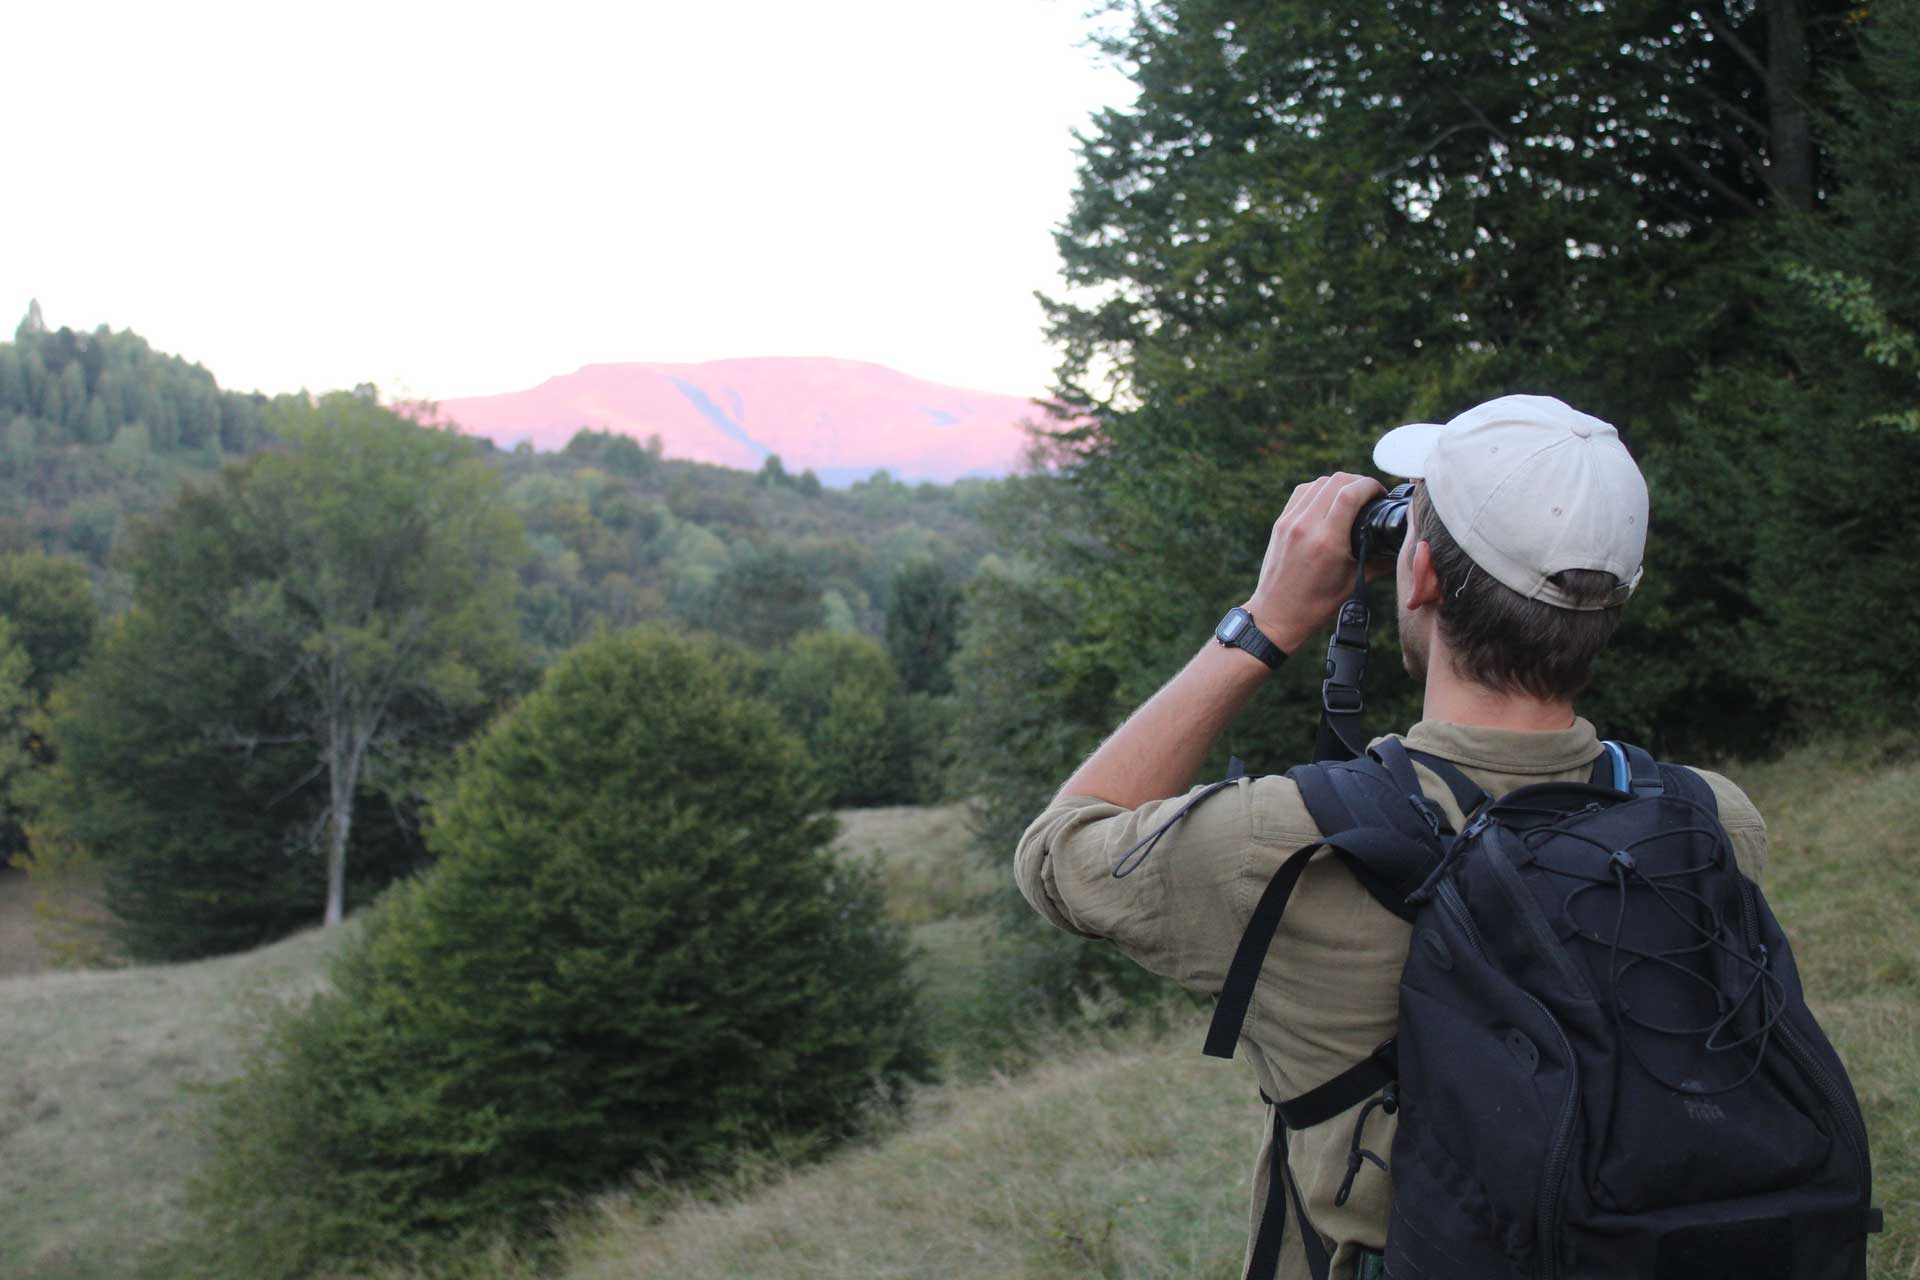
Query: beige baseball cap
column 1528, row 487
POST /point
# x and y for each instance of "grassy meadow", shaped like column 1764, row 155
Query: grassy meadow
column 1122, row 1154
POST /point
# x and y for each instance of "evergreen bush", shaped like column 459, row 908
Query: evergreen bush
column 635, row 952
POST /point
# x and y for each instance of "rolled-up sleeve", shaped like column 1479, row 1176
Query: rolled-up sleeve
column 1177, row 911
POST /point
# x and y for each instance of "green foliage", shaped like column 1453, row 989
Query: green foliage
column 196, row 802
column 313, row 631
column 634, row 953
column 16, row 702
column 1858, row 266
column 98, row 425
column 620, row 454
column 1314, row 223
column 618, row 545
column 923, row 625
column 1035, row 706
column 49, row 602
column 839, row 693
column 1820, row 422
column 766, row 597
column 47, row 609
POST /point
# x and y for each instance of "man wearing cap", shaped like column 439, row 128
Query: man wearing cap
column 1524, row 541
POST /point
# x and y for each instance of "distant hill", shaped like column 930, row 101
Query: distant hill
column 841, row 419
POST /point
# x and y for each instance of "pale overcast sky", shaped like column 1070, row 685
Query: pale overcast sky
column 467, row 198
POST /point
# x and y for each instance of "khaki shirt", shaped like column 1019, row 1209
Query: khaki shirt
column 1328, row 993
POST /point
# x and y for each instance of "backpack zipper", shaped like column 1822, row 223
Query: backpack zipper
column 1553, row 1181
column 1846, row 1118
column 1852, row 1127
column 1553, row 1176
column 1456, row 907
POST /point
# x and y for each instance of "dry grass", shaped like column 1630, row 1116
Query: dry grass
column 99, row 1097
column 20, row 950
column 1125, row 1159
column 1122, row 1160
column 1844, row 878
column 98, row 1123
column 927, row 865
column 1131, row 1160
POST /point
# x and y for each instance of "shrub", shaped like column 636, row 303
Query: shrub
column 635, row 952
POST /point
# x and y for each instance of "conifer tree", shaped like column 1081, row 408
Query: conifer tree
column 635, row 952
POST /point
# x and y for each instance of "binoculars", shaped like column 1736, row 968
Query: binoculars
column 1381, row 527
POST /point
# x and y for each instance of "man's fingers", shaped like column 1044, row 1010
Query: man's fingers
column 1330, row 500
column 1355, row 494
column 1327, row 496
column 1302, row 497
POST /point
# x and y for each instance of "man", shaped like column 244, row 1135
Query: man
column 1524, row 540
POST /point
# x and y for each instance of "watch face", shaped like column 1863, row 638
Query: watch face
column 1232, row 625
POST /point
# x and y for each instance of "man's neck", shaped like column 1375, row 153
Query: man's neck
column 1460, row 701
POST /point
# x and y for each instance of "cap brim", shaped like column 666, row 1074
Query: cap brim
column 1403, row 451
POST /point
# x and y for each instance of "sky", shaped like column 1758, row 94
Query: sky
column 463, row 199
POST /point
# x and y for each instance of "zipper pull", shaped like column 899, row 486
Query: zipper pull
column 1428, row 814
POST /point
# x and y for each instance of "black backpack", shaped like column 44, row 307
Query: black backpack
column 1604, row 1065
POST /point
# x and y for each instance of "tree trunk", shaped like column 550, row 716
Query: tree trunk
column 343, row 777
column 1791, row 168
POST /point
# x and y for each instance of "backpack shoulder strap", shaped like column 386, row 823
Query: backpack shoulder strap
column 1388, row 832
column 1370, row 816
column 1634, row 770
column 1466, row 793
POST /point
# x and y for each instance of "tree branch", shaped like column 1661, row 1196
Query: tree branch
column 1427, row 150
column 1710, row 179
column 1722, row 31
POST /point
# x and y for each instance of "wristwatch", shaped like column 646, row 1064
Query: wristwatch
column 1237, row 631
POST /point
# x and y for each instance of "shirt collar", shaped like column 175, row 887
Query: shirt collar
column 1508, row 751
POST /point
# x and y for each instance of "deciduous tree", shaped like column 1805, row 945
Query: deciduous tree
column 327, row 619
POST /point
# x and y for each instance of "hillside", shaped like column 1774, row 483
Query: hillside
column 841, row 419
column 106, row 1070
column 97, row 431
column 1122, row 1156
column 1130, row 1158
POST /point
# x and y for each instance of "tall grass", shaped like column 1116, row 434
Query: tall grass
column 1118, row 1155
column 1130, row 1157
column 1123, row 1156
column 98, row 1107
column 1844, row 878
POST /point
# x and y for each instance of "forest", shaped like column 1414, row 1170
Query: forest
column 116, row 456
column 560, row 732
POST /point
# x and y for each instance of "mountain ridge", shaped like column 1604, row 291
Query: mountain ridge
column 842, row 419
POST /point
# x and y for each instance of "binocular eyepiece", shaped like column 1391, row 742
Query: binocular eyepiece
column 1381, row 526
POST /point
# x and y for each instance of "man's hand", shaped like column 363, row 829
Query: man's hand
column 1308, row 571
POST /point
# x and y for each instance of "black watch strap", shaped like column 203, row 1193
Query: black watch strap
column 1237, row 631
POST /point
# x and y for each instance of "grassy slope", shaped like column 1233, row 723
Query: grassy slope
column 1119, row 1160
column 97, row 1127
column 1122, row 1159
column 1131, row 1161
column 20, row 950
column 98, row 1098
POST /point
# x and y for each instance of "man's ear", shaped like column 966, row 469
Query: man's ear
column 1420, row 586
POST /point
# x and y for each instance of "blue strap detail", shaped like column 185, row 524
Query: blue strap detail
column 1622, row 778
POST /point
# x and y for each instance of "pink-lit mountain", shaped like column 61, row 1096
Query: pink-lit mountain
column 842, row 419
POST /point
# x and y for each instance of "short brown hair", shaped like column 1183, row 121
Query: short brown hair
column 1500, row 639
